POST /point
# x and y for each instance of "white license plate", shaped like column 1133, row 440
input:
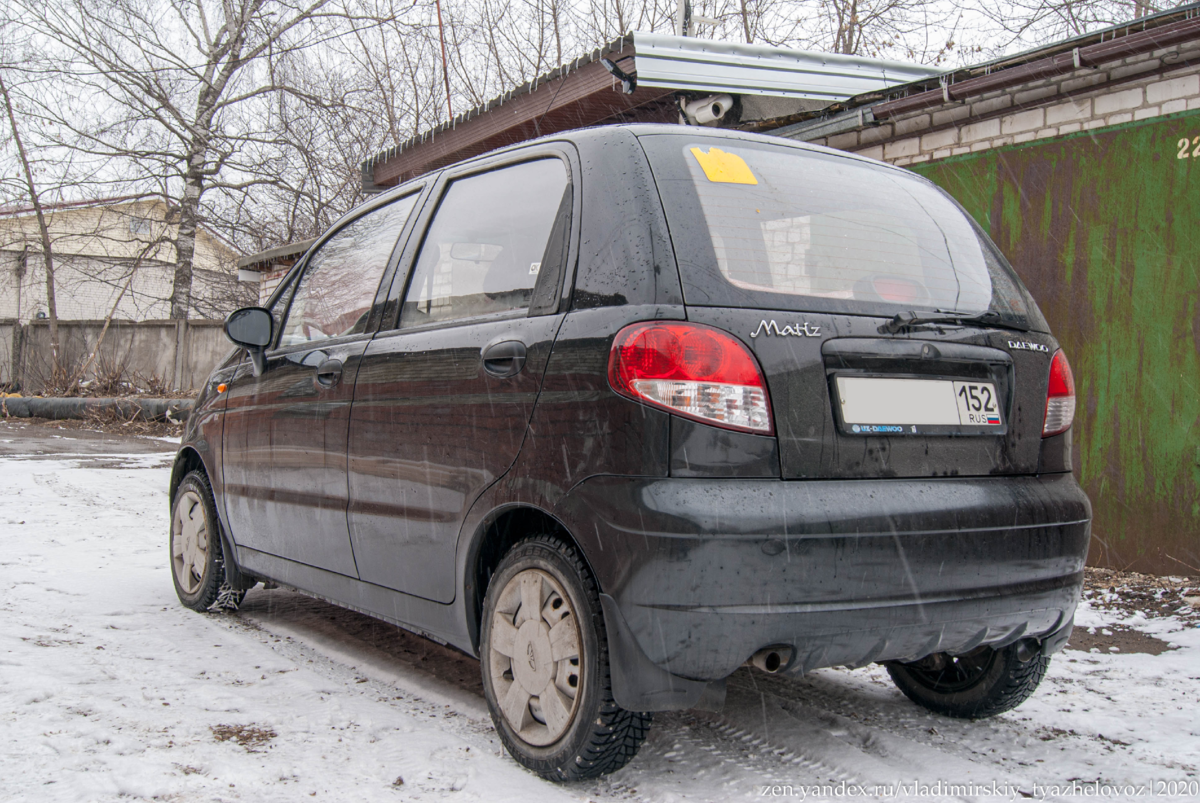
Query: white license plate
column 869, row 402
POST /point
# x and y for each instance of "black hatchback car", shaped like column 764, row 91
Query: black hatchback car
column 621, row 410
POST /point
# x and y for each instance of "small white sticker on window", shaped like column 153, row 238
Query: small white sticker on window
column 534, row 267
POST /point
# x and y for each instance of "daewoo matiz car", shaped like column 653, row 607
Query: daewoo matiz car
column 621, row 410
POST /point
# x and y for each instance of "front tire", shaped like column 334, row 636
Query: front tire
column 197, row 560
column 544, row 658
column 979, row 684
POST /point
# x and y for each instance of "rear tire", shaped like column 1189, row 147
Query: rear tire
column 197, row 558
column 545, row 671
column 979, row 684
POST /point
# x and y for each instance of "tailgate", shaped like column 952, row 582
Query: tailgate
column 849, row 401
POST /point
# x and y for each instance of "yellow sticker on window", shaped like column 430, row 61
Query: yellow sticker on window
column 724, row 168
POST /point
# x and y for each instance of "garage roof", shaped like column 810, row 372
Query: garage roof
column 584, row 93
column 685, row 63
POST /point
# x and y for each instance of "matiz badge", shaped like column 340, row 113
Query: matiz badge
column 794, row 330
column 1025, row 345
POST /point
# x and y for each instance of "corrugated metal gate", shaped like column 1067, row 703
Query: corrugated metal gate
column 1104, row 227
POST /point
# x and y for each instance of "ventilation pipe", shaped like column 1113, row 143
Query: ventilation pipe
column 709, row 109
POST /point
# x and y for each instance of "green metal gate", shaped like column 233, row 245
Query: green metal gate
column 1104, row 227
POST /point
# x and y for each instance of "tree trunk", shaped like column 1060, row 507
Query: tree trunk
column 43, row 230
column 185, row 242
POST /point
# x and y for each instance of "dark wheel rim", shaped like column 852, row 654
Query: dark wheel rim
column 946, row 674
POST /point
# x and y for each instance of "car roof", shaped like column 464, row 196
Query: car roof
column 623, row 131
column 629, row 132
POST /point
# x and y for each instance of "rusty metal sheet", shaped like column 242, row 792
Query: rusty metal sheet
column 1104, row 227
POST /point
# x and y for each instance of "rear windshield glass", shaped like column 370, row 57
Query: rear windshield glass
column 777, row 227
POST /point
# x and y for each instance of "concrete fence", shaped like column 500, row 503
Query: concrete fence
column 177, row 354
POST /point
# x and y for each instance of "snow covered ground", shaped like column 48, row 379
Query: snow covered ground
column 110, row 690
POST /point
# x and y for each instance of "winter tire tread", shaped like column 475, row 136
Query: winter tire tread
column 614, row 735
column 1000, row 689
column 215, row 593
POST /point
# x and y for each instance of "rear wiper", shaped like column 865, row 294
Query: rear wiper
column 907, row 320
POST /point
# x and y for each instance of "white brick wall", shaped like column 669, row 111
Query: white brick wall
column 1069, row 112
column 1185, row 86
column 901, row 148
column 985, row 129
column 1039, row 110
column 1119, row 101
column 1022, row 121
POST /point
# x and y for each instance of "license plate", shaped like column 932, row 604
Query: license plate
column 871, row 405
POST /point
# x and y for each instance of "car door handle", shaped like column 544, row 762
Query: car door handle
column 329, row 373
column 504, row 359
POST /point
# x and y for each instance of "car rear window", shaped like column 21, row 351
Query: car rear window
column 779, row 227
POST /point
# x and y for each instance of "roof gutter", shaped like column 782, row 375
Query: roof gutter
column 1087, row 56
column 808, row 130
column 286, row 251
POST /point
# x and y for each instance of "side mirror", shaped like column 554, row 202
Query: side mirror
column 252, row 328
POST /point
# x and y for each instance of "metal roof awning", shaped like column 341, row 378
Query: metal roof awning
column 704, row 65
column 585, row 92
column 578, row 94
column 287, row 253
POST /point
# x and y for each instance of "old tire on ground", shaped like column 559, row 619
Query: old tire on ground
column 197, row 560
column 544, row 658
column 976, row 685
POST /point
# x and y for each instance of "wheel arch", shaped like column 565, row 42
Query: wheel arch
column 496, row 535
column 187, row 460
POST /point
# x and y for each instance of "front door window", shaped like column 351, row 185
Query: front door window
column 337, row 289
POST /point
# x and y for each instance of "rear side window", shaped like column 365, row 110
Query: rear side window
column 334, row 296
column 484, row 249
column 777, row 227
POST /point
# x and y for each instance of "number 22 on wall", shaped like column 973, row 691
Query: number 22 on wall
column 1184, row 144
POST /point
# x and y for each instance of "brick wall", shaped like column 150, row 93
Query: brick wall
column 269, row 282
column 1137, row 88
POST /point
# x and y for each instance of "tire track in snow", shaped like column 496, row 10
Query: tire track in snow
column 861, row 719
column 686, row 757
column 762, row 734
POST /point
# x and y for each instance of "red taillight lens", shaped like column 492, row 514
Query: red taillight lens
column 1060, row 397
column 693, row 371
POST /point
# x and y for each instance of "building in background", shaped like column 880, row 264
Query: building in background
column 266, row 269
column 112, row 258
column 117, row 247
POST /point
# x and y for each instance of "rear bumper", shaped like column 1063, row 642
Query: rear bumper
column 707, row 572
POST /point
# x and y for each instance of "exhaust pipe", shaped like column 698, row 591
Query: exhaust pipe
column 772, row 659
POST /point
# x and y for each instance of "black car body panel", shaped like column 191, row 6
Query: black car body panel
column 625, row 253
column 707, row 572
column 430, row 391
column 395, row 490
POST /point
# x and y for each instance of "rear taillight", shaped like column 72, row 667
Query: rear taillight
column 1060, row 397
column 693, row 371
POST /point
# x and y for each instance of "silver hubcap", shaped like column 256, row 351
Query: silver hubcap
column 534, row 657
column 189, row 541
